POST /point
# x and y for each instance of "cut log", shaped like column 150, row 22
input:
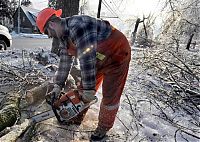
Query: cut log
column 9, row 110
column 38, row 93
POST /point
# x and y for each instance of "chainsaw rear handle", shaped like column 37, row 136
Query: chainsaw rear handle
column 50, row 98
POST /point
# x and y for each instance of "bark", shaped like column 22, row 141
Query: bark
column 145, row 30
column 69, row 7
column 15, row 132
column 38, row 93
column 28, row 131
column 9, row 110
column 135, row 31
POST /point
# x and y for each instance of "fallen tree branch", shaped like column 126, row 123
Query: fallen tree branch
column 15, row 132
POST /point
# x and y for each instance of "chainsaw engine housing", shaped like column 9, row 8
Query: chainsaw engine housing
column 68, row 106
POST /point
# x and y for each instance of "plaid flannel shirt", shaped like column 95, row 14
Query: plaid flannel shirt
column 85, row 32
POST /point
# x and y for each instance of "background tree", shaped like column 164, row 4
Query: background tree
column 144, row 36
column 182, row 24
column 5, row 11
column 13, row 6
column 69, row 7
column 26, row 3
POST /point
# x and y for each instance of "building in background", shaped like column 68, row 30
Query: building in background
column 27, row 18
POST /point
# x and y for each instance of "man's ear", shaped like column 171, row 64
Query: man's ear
column 51, row 24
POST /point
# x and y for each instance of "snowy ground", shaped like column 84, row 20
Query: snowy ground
column 137, row 119
column 26, row 35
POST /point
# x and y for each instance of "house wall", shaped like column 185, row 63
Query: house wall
column 25, row 26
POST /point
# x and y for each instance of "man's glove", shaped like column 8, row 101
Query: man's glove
column 87, row 95
column 54, row 94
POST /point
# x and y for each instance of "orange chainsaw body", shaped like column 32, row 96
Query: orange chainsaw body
column 68, row 105
column 71, row 96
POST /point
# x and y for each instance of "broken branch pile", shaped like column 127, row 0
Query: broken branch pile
column 174, row 80
column 19, row 71
column 29, row 75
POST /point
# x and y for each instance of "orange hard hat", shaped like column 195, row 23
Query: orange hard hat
column 44, row 15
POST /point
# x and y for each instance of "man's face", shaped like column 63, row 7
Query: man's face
column 50, row 30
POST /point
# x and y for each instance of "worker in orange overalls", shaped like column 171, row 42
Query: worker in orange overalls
column 104, row 55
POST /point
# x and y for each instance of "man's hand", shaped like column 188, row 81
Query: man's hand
column 54, row 94
column 87, row 95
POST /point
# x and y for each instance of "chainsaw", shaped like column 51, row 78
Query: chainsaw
column 68, row 106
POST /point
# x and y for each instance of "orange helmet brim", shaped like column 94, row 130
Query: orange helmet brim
column 58, row 13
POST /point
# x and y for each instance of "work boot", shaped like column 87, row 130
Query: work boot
column 98, row 135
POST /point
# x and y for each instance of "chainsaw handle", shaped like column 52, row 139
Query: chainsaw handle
column 51, row 99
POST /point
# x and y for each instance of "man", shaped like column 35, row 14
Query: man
column 104, row 55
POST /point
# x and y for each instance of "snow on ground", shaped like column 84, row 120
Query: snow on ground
column 141, row 122
column 26, row 35
column 137, row 119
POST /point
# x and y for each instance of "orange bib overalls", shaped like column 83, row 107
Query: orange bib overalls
column 112, row 70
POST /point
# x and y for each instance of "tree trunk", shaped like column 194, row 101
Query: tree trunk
column 16, row 131
column 135, row 31
column 9, row 111
column 69, row 7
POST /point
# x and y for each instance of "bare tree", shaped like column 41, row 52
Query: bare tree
column 182, row 24
column 26, row 3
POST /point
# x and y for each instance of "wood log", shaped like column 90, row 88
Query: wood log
column 38, row 93
column 15, row 132
column 9, row 110
column 28, row 133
